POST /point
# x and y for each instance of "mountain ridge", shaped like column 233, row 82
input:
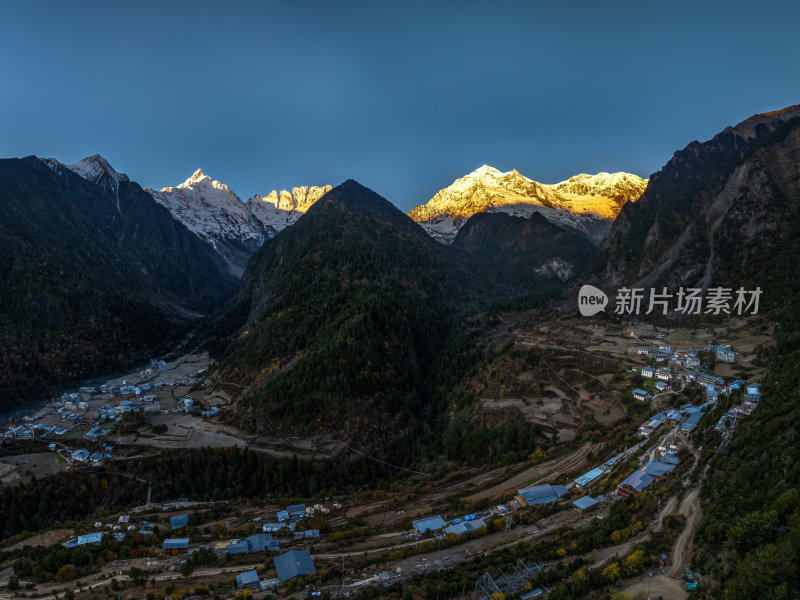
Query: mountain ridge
column 235, row 229
column 584, row 203
column 98, row 276
column 719, row 212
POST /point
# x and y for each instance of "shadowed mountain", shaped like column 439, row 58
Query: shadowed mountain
column 722, row 212
column 525, row 249
column 97, row 275
column 726, row 212
column 341, row 320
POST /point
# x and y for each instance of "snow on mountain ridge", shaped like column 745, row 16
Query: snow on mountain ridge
column 211, row 210
column 95, row 169
column 585, row 203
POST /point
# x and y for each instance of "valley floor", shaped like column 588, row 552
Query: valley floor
column 387, row 547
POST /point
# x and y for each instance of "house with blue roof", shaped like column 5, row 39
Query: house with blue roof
column 642, row 395
column 297, row 510
column 463, row 527
column 612, row 461
column 433, row 523
column 635, row 483
column 258, row 542
column 752, row 392
column 542, row 494
column 588, row 478
column 238, row 547
column 649, row 427
column 175, row 544
column 90, row 538
column 586, row 503
column 306, row 534
column 660, row 468
column 247, row 579
column 179, row 521
column 690, row 424
column 293, row 564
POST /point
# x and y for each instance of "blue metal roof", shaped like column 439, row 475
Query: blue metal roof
column 90, row 538
column 657, row 469
column 465, row 527
column 429, row 524
column 585, row 502
column 175, row 543
column 258, row 542
column 238, row 547
column 639, row 479
column 296, row 509
column 614, row 460
column 542, row 494
column 294, row 563
column 691, row 423
column 640, row 391
column 247, row 578
column 589, row 477
column 178, row 521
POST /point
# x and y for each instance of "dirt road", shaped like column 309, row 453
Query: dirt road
column 658, row 586
column 682, row 550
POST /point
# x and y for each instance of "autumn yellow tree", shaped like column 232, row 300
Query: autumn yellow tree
column 611, row 572
column 633, row 562
column 66, row 572
column 580, row 580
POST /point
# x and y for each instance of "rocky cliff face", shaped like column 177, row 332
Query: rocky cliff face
column 585, row 203
column 722, row 212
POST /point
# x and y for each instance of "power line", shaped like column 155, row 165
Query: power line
column 383, row 462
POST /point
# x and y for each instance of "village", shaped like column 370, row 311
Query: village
column 90, row 425
column 277, row 550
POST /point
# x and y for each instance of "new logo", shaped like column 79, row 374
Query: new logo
column 591, row 300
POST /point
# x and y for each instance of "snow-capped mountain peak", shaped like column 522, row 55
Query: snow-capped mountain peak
column 210, row 209
column 201, row 182
column 586, row 203
column 95, row 169
column 234, row 228
column 196, row 176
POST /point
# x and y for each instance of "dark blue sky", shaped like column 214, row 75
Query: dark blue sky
column 402, row 96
